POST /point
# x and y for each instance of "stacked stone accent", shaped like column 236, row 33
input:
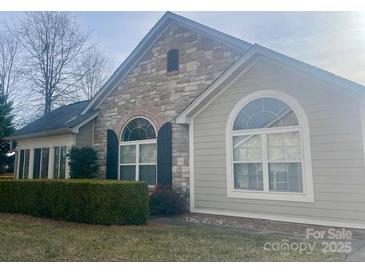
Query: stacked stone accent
column 149, row 91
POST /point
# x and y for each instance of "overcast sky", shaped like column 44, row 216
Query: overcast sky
column 334, row 41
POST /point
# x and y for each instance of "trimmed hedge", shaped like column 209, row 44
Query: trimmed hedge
column 85, row 201
column 6, row 177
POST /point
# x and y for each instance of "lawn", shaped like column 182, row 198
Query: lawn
column 24, row 238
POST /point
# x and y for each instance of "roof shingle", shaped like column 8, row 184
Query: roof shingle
column 61, row 118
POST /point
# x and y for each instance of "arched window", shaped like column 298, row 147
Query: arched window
column 268, row 138
column 138, row 151
column 172, row 63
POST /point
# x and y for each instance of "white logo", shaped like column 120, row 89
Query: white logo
column 329, row 240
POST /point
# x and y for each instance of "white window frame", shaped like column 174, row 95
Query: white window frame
column 303, row 129
column 59, row 162
column 137, row 143
column 23, row 164
column 40, row 162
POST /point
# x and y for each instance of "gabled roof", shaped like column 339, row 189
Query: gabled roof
column 63, row 120
column 144, row 45
column 257, row 51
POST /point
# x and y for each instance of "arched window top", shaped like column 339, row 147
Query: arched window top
column 265, row 112
column 172, row 63
column 268, row 149
column 138, row 129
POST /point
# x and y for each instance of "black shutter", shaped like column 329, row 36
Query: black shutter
column 37, row 162
column 164, row 155
column 112, row 147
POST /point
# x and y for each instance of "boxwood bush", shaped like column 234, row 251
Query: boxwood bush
column 166, row 201
column 86, row 201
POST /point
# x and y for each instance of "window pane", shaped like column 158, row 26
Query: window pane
column 287, row 120
column 26, row 163
column 45, row 157
column 63, row 162
column 138, row 134
column 265, row 113
column 147, row 153
column 247, row 148
column 147, row 174
column 128, row 154
column 128, row 173
column 21, row 164
column 36, row 163
column 284, row 146
column 285, row 177
column 56, row 162
column 248, row 176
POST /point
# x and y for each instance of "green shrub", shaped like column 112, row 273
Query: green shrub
column 83, row 163
column 85, row 201
column 165, row 201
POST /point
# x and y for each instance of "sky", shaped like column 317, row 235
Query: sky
column 334, row 41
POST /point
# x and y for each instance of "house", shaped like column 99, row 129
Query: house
column 241, row 129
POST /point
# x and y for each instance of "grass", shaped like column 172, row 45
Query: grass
column 24, row 238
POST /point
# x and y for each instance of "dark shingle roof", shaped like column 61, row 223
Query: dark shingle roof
column 65, row 117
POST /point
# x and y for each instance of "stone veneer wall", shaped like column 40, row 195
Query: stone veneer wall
column 149, row 91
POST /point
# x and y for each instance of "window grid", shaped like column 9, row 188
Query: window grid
column 137, row 162
column 264, row 150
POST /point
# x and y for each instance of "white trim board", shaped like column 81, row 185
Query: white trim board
column 191, row 164
column 279, row 218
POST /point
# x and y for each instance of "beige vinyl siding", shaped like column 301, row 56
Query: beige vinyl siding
column 85, row 137
column 336, row 148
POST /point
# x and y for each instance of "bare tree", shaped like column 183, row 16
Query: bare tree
column 9, row 63
column 53, row 44
column 91, row 72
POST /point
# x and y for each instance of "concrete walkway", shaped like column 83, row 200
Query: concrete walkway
column 265, row 227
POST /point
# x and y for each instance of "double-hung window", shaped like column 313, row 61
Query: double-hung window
column 266, row 158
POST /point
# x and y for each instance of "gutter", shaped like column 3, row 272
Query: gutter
column 59, row 131
column 41, row 134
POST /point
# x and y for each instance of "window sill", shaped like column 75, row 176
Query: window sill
column 282, row 196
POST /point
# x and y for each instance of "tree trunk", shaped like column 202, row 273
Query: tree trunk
column 47, row 105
